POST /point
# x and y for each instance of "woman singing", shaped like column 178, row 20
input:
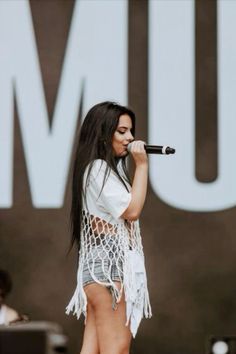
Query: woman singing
column 111, row 287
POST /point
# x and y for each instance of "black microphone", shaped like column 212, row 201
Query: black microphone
column 156, row 149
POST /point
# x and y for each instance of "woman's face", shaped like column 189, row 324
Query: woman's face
column 122, row 136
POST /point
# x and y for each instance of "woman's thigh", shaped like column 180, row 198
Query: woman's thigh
column 90, row 340
column 114, row 336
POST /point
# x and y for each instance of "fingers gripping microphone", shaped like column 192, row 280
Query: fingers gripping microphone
column 156, row 149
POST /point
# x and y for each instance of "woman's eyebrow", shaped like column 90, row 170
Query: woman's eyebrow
column 124, row 127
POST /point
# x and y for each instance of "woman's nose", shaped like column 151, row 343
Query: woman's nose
column 130, row 137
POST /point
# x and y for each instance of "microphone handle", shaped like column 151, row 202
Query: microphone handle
column 157, row 149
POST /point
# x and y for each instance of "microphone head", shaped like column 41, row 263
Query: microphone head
column 129, row 147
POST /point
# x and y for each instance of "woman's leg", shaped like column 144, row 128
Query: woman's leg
column 90, row 341
column 113, row 336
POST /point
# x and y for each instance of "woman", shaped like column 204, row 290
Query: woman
column 111, row 280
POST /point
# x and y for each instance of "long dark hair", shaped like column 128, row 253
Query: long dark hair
column 95, row 142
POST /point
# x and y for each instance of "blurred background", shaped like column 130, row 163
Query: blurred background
column 173, row 63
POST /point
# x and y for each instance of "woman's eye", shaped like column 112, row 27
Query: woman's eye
column 121, row 132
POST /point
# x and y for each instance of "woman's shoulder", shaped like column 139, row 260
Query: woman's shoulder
column 97, row 165
column 95, row 169
column 99, row 168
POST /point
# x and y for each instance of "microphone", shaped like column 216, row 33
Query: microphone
column 156, row 149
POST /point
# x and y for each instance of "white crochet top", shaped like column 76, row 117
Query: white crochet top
column 106, row 236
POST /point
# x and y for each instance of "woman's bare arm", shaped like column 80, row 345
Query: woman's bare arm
column 139, row 186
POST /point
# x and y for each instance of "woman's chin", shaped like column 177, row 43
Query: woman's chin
column 122, row 154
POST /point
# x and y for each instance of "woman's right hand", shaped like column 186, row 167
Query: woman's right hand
column 138, row 152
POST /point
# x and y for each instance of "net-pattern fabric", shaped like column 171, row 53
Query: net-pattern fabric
column 111, row 244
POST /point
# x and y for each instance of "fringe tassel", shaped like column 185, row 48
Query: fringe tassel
column 78, row 301
column 136, row 292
